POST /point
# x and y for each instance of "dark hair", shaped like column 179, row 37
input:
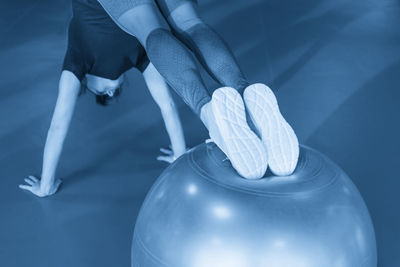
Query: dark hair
column 104, row 99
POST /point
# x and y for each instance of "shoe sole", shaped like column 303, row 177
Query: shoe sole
column 278, row 137
column 240, row 144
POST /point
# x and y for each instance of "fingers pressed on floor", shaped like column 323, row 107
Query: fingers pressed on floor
column 34, row 178
column 28, row 181
column 25, row 187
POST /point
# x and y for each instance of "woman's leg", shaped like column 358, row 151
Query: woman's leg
column 209, row 47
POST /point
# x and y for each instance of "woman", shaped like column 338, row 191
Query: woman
column 224, row 114
column 98, row 54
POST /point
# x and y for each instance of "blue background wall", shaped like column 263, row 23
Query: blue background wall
column 335, row 67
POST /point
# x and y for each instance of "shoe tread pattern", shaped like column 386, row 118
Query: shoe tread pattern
column 241, row 145
column 278, row 136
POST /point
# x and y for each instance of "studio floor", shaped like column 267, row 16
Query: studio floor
column 335, row 68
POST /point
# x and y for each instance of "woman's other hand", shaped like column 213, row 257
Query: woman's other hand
column 34, row 185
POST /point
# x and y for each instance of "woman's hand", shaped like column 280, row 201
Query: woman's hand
column 35, row 187
column 168, row 155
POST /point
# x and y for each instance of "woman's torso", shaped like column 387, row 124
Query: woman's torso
column 97, row 46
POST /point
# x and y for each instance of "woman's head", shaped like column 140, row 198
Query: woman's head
column 104, row 89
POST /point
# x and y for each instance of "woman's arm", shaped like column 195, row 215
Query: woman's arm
column 69, row 87
column 160, row 92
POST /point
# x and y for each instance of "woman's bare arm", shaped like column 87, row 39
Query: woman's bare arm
column 159, row 90
column 68, row 92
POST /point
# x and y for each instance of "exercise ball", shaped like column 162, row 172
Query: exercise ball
column 201, row 213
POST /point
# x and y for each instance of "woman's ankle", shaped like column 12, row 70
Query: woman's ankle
column 205, row 112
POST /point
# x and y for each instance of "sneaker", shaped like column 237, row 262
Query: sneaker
column 229, row 130
column 278, row 137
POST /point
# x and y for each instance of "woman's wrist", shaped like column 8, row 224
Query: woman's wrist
column 46, row 184
column 179, row 150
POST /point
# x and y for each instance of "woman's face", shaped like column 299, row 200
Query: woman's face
column 102, row 86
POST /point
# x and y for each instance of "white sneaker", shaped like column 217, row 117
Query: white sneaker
column 277, row 135
column 230, row 132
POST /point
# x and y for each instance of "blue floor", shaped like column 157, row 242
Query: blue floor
column 335, row 67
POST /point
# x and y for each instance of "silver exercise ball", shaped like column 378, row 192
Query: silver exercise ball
column 201, row 213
